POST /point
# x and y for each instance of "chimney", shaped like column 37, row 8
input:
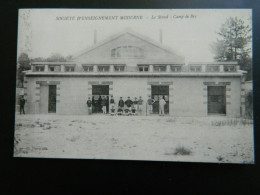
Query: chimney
column 95, row 36
column 161, row 40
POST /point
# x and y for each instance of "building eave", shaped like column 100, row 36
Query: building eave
column 130, row 74
column 53, row 63
column 214, row 63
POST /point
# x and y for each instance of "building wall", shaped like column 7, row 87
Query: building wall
column 187, row 95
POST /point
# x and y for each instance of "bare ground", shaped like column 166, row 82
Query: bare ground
column 202, row 139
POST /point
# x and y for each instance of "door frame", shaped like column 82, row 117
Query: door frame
column 224, row 101
column 49, row 99
column 167, row 111
column 107, row 95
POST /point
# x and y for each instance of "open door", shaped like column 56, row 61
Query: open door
column 98, row 91
column 160, row 91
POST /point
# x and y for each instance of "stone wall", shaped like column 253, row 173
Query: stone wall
column 187, row 95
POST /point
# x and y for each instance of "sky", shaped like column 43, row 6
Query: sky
column 188, row 32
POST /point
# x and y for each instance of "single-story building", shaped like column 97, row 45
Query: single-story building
column 132, row 65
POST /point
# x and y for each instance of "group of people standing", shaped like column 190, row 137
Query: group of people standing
column 128, row 107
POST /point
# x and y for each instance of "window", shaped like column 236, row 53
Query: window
column 69, row 68
column 176, row 68
column 143, row 68
column 127, row 52
column 228, row 68
column 39, row 68
column 195, row 68
column 103, row 68
column 53, row 68
column 88, row 68
column 119, row 68
column 113, row 53
column 211, row 68
column 159, row 68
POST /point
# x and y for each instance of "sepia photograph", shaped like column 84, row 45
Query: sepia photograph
column 135, row 84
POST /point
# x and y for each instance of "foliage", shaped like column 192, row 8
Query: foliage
column 54, row 57
column 234, row 44
column 24, row 61
column 232, row 122
column 249, row 105
column 182, row 151
column 220, row 158
column 23, row 64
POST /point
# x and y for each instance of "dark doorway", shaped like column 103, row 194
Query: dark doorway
column 52, row 99
column 216, row 99
column 160, row 91
column 98, row 91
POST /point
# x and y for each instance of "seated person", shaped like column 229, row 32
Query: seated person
column 133, row 111
column 119, row 111
column 127, row 111
column 113, row 111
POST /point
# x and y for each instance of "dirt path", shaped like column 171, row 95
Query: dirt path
column 204, row 139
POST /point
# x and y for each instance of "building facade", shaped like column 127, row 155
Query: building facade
column 131, row 65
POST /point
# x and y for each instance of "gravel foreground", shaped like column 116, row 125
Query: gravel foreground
column 191, row 139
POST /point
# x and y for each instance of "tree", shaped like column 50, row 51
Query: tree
column 234, row 43
column 23, row 65
column 56, row 57
column 69, row 58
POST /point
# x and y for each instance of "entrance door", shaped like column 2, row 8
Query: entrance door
column 160, row 91
column 98, row 91
column 216, row 99
column 52, row 99
column 44, row 93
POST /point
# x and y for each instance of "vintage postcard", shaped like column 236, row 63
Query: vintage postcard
column 135, row 84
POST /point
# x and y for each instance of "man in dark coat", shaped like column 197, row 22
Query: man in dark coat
column 121, row 103
column 99, row 104
column 89, row 104
column 107, row 104
column 22, row 103
column 128, row 102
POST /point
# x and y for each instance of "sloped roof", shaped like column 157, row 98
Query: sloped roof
column 116, row 36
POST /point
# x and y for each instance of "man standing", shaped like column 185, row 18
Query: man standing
column 99, row 104
column 150, row 102
column 22, row 102
column 135, row 104
column 107, row 104
column 140, row 105
column 103, row 103
column 89, row 104
column 121, row 103
column 111, row 102
column 161, row 106
column 129, row 103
